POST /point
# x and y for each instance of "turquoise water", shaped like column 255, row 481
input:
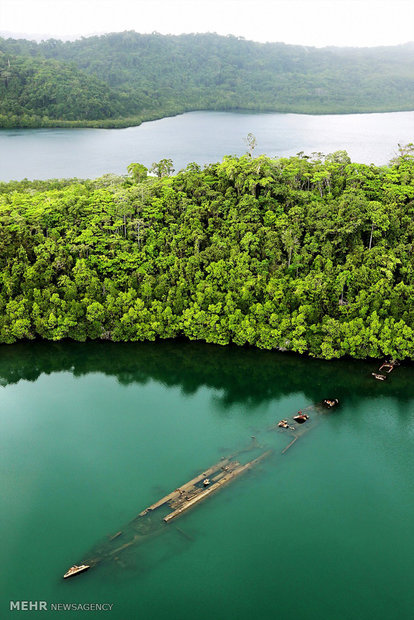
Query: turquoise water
column 203, row 137
column 93, row 433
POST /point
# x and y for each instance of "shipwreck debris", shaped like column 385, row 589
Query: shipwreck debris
column 330, row 402
column 75, row 570
column 154, row 519
column 387, row 366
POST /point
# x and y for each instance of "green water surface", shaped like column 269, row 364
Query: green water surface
column 93, row 433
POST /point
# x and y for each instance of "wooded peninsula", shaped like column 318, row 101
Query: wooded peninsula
column 305, row 254
column 122, row 79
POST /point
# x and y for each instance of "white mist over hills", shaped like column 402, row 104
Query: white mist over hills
column 39, row 37
column 44, row 36
column 318, row 23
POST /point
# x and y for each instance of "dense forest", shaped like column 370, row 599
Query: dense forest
column 306, row 254
column 122, row 79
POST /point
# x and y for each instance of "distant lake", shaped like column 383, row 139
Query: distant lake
column 202, row 137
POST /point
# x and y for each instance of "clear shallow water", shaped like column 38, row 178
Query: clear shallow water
column 92, row 433
column 203, row 137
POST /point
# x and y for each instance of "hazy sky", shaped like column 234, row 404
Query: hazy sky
column 307, row 22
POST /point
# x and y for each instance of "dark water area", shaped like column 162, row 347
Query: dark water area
column 92, row 433
column 202, row 137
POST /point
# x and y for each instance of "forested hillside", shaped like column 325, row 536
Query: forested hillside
column 51, row 90
column 299, row 254
column 121, row 79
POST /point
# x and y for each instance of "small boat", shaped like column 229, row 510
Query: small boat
column 75, row 570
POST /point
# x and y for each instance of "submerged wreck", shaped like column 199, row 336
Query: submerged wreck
column 154, row 519
column 388, row 367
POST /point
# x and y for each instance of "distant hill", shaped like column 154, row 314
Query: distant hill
column 121, row 79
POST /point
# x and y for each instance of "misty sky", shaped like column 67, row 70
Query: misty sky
column 307, row 22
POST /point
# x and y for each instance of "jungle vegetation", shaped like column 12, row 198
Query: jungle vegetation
column 305, row 254
column 121, row 79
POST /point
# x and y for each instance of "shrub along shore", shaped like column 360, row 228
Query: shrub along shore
column 312, row 255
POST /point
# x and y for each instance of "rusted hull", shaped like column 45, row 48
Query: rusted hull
column 154, row 520
column 76, row 570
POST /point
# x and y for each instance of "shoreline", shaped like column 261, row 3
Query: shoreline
column 125, row 123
